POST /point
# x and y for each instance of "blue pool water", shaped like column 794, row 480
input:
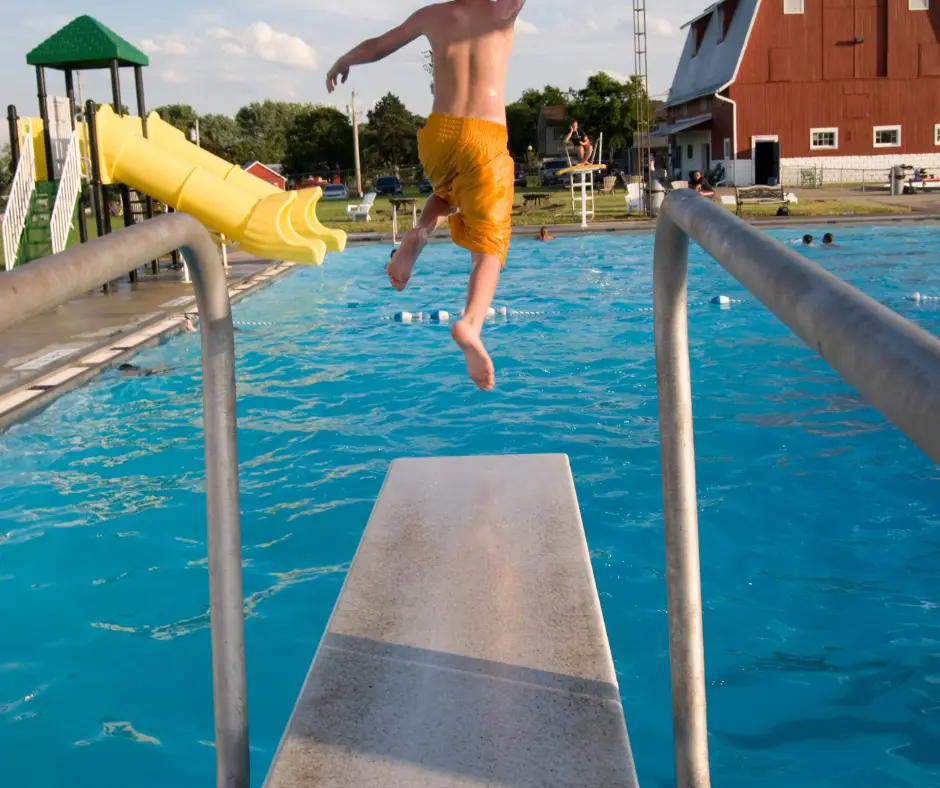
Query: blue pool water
column 819, row 523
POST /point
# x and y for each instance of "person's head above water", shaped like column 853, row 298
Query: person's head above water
column 543, row 232
column 807, row 239
column 828, row 238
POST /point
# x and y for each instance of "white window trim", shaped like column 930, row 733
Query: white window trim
column 801, row 10
column 874, row 137
column 936, row 133
column 833, row 130
column 912, row 7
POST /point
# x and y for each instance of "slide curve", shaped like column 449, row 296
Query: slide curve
column 264, row 220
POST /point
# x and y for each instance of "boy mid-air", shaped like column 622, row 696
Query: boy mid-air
column 463, row 148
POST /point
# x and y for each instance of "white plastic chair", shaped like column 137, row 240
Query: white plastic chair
column 633, row 198
column 361, row 211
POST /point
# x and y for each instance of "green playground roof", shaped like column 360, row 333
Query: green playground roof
column 85, row 43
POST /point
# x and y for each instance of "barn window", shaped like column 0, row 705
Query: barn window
column 824, row 139
column 887, row 136
column 936, row 134
column 918, row 5
column 795, row 6
column 704, row 104
column 690, row 152
column 725, row 15
column 698, row 34
column 728, row 146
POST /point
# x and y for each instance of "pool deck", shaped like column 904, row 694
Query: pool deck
column 467, row 646
column 45, row 356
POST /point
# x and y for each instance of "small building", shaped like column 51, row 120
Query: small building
column 775, row 88
column 552, row 129
column 267, row 172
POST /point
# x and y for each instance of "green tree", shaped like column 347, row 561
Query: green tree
column 6, row 174
column 319, row 140
column 522, row 124
column 392, row 132
column 219, row 134
column 549, row 96
column 607, row 106
column 180, row 116
column 264, row 126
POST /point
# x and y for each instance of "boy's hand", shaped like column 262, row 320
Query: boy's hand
column 337, row 75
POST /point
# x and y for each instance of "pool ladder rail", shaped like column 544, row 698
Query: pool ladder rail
column 893, row 364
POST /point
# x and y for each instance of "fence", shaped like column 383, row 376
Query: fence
column 855, row 179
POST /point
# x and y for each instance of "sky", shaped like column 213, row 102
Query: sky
column 218, row 57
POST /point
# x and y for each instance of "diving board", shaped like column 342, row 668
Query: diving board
column 467, row 646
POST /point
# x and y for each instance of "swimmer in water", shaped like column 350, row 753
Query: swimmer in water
column 463, row 147
column 544, row 236
column 829, row 240
column 134, row 371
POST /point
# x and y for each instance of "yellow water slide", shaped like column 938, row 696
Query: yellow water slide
column 263, row 219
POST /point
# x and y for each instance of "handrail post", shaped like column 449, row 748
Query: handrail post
column 680, row 516
column 30, row 290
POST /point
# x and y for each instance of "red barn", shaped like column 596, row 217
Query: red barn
column 775, row 87
column 266, row 172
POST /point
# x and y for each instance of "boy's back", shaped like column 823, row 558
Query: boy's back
column 471, row 41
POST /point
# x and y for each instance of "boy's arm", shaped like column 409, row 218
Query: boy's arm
column 376, row 49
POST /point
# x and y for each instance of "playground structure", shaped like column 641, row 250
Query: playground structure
column 64, row 160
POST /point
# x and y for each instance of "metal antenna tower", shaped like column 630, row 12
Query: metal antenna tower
column 641, row 81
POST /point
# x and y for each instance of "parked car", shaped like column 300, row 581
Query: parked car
column 425, row 186
column 335, row 191
column 549, row 173
column 388, row 185
column 520, row 176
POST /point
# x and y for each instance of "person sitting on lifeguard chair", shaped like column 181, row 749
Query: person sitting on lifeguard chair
column 580, row 142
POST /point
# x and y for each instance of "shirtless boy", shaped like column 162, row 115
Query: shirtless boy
column 463, row 148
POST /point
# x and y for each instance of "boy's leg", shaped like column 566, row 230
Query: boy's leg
column 466, row 332
column 435, row 211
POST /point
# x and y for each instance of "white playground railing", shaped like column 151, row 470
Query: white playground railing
column 21, row 195
column 70, row 185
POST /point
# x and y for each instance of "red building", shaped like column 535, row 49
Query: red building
column 768, row 87
column 266, row 173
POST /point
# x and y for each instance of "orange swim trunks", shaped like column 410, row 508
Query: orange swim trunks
column 468, row 164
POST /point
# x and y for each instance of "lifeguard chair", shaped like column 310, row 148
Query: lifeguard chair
column 581, row 182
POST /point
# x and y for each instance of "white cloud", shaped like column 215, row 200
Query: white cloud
column 524, row 28
column 661, row 28
column 170, row 45
column 171, row 77
column 263, row 41
column 618, row 75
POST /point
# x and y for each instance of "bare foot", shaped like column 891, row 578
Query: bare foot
column 400, row 267
column 479, row 365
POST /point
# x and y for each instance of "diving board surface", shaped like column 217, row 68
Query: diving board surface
column 467, row 646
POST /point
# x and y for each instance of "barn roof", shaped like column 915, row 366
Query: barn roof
column 268, row 167
column 715, row 65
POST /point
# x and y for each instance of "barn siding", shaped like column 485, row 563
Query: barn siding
column 803, row 71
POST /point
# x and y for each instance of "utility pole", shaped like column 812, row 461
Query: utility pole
column 642, row 141
column 355, row 125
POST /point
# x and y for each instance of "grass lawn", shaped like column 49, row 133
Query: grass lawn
column 607, row 208
column 825, row 208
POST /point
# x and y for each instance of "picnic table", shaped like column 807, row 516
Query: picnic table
column 402, row 203
column 535, row 199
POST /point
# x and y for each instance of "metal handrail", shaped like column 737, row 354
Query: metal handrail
column 893, row 364
column 30, row 290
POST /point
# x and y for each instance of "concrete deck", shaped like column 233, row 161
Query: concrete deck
column 44, row 357
column 467, row 646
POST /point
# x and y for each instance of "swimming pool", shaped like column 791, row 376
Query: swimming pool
column 819, row 523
